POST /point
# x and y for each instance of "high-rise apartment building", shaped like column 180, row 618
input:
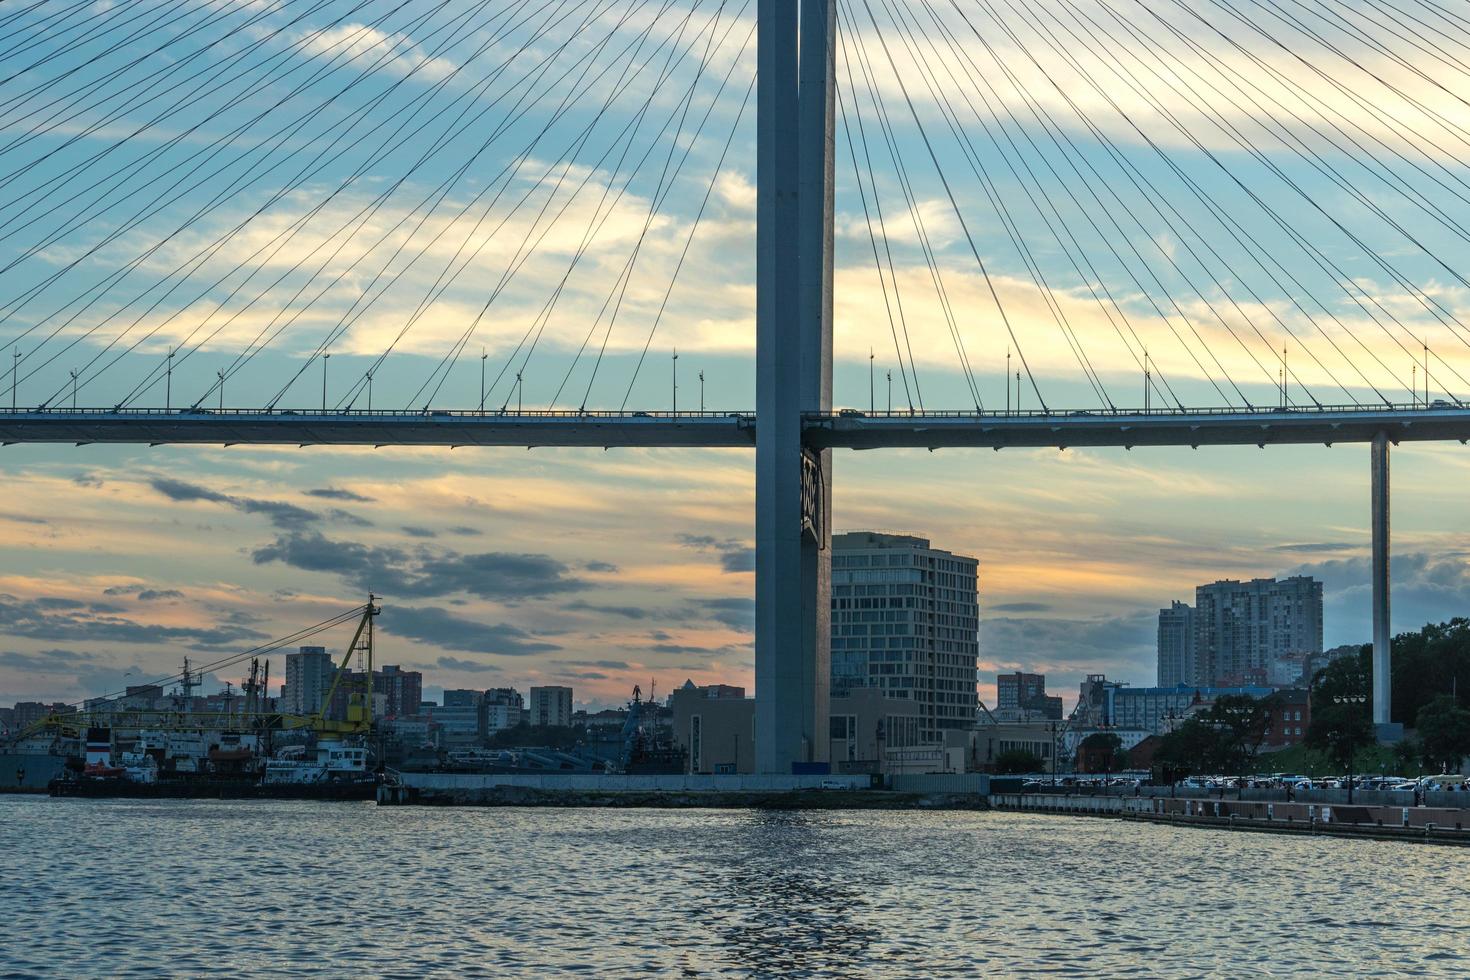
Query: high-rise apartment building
column 1241, row 628
column 309, row 674
column 1176, row 643
column 550, row 706
column 402, row 690
column 906, row 620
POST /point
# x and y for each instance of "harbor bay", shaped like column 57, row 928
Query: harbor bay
column 291, row 888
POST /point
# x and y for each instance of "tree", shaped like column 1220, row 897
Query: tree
column 1016, row 761
column 1224, row 738
column 1427, row 664
column 1342, row 709
column 1408, row 756
column 1444, row 731
column 1102, row 750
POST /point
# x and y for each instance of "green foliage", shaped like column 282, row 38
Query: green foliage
column 1342, row 728
column 1103, row 742
column 1428, row 664
column 1225, row 738
column 1015, row 761
column 1408, row 757
column 1444, row 732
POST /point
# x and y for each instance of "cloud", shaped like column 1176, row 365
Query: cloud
column 457, row 663
column 414, row 531
column 735, row 556
column 65, row 619
column 738, row 613
column 442, row 628
column 424, row 573
column 155, row 595
column 46, row 661
column 1125, row 647
column 280, row 513
column 606, row 567
column 626, row 612
column 333, row 493
column 1021, row 607
column 1425, row 588
column 468, row 532
column 598, row 664
column 1321, row 546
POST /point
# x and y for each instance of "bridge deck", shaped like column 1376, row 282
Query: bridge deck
column 842, row 430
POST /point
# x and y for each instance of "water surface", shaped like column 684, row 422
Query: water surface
column 93, row 888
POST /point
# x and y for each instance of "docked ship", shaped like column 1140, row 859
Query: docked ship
column 648, row 747
column 324, row 769
column 251, row 753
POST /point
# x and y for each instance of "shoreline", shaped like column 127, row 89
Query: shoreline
column 799, row 799
column 1410, row 824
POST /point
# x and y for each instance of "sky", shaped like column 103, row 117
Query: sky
column 563, row 192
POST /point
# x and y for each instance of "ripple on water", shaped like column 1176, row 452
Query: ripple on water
column 104, row 888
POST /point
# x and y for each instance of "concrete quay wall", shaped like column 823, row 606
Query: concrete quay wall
column 956, row 791
column 601, row 783
column 1440, row 824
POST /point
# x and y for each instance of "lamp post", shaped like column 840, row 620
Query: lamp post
column 1349, row 699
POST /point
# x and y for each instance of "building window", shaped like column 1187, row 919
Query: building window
column 695, row 761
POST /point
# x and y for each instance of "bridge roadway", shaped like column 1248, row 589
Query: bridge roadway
column 838, row 430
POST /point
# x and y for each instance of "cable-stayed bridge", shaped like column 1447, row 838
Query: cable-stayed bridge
column 1247, row 214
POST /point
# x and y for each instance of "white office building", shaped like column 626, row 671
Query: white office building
column 906, row 620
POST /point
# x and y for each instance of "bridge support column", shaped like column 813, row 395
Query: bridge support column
column 793, row 375
column 1382, row 635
